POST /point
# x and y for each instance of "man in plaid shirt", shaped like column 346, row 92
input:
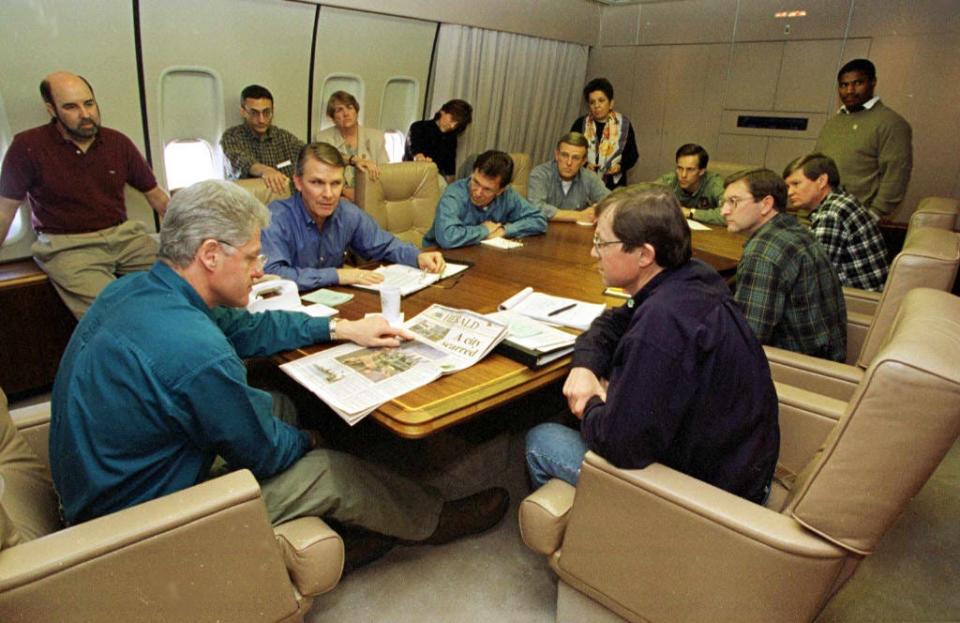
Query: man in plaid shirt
column 788, row 289
column 842, row 225
column 257, row 148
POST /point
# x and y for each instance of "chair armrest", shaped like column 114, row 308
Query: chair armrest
column 543, row 516
column 858, row 327
column 861, row 301
column 655, row 544
column 33, row 422
column 806, row 419
column 313, row 554
column 204, row 553
column 836, row 380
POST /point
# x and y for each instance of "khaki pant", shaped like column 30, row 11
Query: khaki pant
column 81, row 265
column 339, row 486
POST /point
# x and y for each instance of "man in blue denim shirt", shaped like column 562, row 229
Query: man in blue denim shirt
column 483, row 206
column 311, row 231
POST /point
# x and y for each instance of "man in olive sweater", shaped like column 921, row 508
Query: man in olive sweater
column 870, row 143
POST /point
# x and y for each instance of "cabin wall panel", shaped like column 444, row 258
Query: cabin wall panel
column 620, row 25
column 575, row 21
column 688, row 22
column 245, row 42
column 753, row 74
column 825, row 19
column 374, row 47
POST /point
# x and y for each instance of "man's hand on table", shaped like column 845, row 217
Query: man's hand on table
column 372, row 332
column 431, row 261
column 347, row 276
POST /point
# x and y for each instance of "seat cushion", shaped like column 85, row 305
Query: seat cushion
column 29, row 499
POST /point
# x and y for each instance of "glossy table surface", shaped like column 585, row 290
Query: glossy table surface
column 557, row 263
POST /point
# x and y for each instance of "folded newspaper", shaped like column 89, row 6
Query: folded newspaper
column 354, row 380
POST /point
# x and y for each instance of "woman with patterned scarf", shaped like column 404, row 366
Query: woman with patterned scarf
column 613, row 147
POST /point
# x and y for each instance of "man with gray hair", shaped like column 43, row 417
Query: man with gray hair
column 563, row 189
column 152, row 388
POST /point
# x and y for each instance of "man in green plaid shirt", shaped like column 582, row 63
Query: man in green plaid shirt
column 838, row 221
column 786, row 285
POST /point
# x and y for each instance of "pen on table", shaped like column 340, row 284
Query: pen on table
column 562, row 309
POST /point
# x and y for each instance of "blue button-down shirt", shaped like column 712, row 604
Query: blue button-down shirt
column 300, row 251
column 151, row 388
column 459, row 223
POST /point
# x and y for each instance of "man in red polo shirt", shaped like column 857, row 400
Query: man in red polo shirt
column 72, row 172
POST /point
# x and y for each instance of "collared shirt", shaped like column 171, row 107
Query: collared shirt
column 151, row 388
column 300, row 251
column 244, row 148
column 867, row 105
column 683, row 331
column 71, row 191
column 852, row 240
column 545, row 189
column 790, row 292
column 705, row 201
column 426, row 137
column 459, row 223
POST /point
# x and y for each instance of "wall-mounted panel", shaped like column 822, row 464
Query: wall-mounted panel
column 747, row 149
column 374, row 49
column 688, row 21
column 37, row 38
column 809, row 71
column 620, row 25
column 889, row 18
column 781, row 151
column 264, row 42
column 739, row 122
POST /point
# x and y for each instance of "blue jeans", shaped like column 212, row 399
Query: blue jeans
column 554, row 451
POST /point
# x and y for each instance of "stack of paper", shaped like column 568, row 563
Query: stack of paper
column 553, row 309
column 531, row 342
column 502, row 243
column 409, row 279
column 282, row 294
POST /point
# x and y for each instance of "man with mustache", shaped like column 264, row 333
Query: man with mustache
column 72, row 172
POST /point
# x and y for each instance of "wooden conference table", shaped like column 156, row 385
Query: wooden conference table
column 557, row 263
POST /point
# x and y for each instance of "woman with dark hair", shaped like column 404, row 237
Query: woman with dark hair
column 435, row 140
column 362, row 148
column 613, row 146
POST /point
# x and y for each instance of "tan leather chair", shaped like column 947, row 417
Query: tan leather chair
column 202, row 554
column 256, row 187
column 403, row 200
column 521, row 173
column 930, row 259
column 939, row 212
column 657, row 545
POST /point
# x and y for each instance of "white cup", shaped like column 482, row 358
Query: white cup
column 390, row 304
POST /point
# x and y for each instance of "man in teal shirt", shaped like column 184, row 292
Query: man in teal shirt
column 699, row 191
column 484, row 206
column 152, row 388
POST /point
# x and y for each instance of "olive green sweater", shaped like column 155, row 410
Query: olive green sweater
column 872, row 149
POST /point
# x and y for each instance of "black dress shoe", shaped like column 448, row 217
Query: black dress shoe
column 469, row 515
column 361, row 547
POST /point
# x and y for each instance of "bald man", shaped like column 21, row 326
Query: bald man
column 72, row 172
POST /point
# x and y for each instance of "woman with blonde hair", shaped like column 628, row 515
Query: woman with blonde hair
column 361, row 147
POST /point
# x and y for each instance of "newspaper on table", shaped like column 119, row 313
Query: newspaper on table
column 354, row 380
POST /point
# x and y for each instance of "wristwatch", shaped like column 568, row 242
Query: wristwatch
column 333, row 329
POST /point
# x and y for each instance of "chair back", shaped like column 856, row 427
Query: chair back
column 403, row 200
column 929, row 259
column 29, row 507
column 938, row 212
column 900, row 422
column 521, row 173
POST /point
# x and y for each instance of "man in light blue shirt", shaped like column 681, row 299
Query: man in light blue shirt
column 311, row 231
column 563, row 189
column 484, row 206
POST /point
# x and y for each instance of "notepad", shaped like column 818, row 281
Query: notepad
column 409, row 279
column 327, row 297
column 502, row 243
column 553, row 309
column 695, row 226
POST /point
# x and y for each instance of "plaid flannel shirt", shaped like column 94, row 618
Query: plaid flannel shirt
column 852, row 240
column 790, row 292
column 243, row 149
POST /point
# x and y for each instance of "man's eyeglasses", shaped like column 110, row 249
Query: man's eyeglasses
column 260, row 260
column 598, row 243
column 735, row 202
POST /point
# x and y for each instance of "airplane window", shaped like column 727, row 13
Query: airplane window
column 395, row 144
column 18, row 225
column 189, row 161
